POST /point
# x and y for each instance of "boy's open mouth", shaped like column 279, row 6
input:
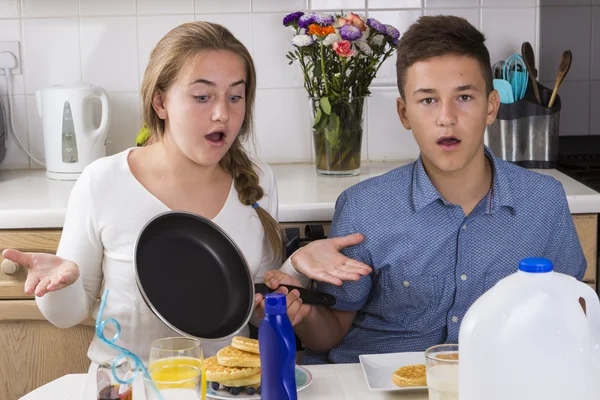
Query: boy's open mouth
column 448, row 142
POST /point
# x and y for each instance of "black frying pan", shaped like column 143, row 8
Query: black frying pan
column 196, row 280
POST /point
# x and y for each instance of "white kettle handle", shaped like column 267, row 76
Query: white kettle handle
column 103, row 96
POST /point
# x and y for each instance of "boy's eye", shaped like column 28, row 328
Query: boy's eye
column 465, row 97
column 428, row 100
column 201, row 99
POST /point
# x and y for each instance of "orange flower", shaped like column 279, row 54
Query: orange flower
column 315, row 29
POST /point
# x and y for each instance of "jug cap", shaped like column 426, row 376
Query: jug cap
column 275, row 304
column 536, row 265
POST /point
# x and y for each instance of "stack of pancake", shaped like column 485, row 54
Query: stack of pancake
column 236, row 366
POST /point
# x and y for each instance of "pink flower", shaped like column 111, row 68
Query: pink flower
column 356, row 21
column 343, row 21
column 343, row 48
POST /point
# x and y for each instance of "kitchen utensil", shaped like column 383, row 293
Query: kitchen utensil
column 515, row 72
column 497, row 69
column 526, row 133
column 71, row 141
column 504, row 90
column 196, row 280
column 563, row 70
column 529, row 59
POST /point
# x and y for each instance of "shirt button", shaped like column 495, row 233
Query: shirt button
column 464, row 227
column 455, row 319
column 463, row 277
column 406, row 283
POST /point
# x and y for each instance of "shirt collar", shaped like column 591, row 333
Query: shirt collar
column 424, row 193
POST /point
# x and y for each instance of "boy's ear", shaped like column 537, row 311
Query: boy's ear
column 493, row 105
column 401, row 108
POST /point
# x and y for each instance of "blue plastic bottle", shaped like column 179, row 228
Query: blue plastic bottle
column 277, row 345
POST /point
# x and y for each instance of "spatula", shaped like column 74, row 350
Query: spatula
column 563, row 70
column 529, row 58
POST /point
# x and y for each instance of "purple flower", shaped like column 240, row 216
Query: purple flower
column 378, row 26
column 291, row 18
column 323, row 20
column 350, row 32
column 305, row 20
column 392, row 32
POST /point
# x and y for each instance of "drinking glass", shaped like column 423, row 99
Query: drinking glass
column 442, row 371
column 174, row 382
column 177, row 352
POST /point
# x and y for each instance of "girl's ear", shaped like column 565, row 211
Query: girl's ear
column 159, row 104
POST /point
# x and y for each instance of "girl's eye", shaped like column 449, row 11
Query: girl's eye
column 235, row 99
column 201, row 99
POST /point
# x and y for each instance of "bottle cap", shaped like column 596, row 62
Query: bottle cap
column 275, row 304
column 536, row 265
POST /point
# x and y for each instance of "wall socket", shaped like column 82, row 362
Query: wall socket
column 13, row 47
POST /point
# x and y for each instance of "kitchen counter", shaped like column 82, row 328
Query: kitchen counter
column 29, row 200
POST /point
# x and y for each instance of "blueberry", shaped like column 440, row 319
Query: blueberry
column 250, row 390
column 235, row 391
column 258, row 390
column 214, row 385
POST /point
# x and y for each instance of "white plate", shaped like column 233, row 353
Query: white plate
column 378, row 369
column 303, row 379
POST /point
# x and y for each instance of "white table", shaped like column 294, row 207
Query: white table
column 330, row 382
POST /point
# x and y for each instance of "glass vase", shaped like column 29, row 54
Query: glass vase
column 337, row 126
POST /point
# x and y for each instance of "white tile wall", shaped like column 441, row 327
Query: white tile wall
column 470, row 14
column 282, row 125
column 229, row 6
column 108, row 43
column 9, row 8
column 109, row 53
column 106, row 7
column 387, row 137
column 165, row 7
column 503, row 42
column 45, row 8
column 51, row 52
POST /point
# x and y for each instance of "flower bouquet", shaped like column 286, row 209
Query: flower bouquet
column 339, row 55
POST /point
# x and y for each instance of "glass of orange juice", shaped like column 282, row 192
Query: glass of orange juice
column 169, row 358
column 174, row 382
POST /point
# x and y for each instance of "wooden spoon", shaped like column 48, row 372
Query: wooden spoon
column 529, row 58
column 563, row 69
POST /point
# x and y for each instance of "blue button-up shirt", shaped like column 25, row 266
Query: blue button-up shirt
column 431, row 262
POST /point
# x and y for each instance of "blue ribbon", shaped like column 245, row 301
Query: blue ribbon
column 124, row 353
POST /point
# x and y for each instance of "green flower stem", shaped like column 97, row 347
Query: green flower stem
column 323, row 74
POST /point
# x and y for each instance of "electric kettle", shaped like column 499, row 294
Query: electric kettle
column 71, row 141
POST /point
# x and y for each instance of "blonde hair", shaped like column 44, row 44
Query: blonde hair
column 173, row 52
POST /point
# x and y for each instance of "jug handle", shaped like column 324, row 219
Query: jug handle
column 103, row 96
column 592, row 306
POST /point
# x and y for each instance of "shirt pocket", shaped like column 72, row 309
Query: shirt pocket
column 408, row 300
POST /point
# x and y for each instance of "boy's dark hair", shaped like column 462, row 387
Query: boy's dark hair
column 435, row 36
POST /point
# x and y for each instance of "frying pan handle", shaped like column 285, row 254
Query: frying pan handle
column 307, row 296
